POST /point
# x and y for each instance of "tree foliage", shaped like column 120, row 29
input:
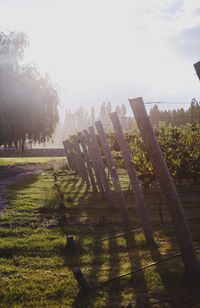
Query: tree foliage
column 79, row 119
column 28, row 101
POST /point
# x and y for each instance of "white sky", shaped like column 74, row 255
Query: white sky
column 110, row 50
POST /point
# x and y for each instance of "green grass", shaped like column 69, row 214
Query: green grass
column 11, row 161
column 36, row 265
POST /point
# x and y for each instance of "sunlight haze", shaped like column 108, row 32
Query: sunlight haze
column 111, row 50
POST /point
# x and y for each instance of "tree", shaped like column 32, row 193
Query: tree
column 92, row 116
column 77, row 121
column 28, row 101
column 123, row 110
column 102, row 112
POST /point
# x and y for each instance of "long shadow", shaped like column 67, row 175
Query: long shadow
column 72, row 187
column 114, row 287
column 81, row 255
column 86, row 298
column 92, row 257
column 12, row 222
column 174, row 280
column 138, row 282
column 172, row 273
column 23, row 183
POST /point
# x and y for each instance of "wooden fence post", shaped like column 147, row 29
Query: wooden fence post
column 112, row 169
column 67, row 154
column 167, row 185
column 89, row 165
column 197, row 69
column 70, row 147
column 138, row 194
column 93, row 160
column 71, row 160
column 101, row 169
column 81, row 161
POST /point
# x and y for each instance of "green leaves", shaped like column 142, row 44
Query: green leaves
column 180, row 147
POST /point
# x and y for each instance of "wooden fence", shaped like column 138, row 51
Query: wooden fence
column 84, row 155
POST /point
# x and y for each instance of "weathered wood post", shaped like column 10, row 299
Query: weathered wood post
column 138, row 194
column 89, row 165
column 100, row 167
column 77, row 161
column 73, row 163
column 93, row 160
column 113, row 171
column 197, row 69
column 70, row 242
column 172, row 199
column 67, row 154
column 81, row 279
column 83, row 169
column 68, row 147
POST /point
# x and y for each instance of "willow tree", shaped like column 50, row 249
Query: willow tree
column 28, row 101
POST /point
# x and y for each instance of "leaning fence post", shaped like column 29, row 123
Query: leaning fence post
column 112, row 169
column 197, row 69
column 81, row 279
column 138, row 194
column 70, row 157
column 167, row 185
column 81, row 161
column 67, row 154
column 82, row 141
column 93, row 160
column 101, row 169
column 73, row 157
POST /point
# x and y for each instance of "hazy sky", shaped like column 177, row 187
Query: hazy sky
column 109, row 50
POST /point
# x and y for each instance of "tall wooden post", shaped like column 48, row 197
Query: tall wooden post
column 167, row 185
column 197, row 69
column 89, row 166
column 100, row 167
column 93, row 160
column 70, row 146
column 81, row 161
column 67, row 154
column 113, row 171
column 70, row 156
column 138, row 194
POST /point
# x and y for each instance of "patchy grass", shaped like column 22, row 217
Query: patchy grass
column 36, row 264
column 12, row 161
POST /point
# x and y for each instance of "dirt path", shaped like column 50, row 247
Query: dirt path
column 12, row 174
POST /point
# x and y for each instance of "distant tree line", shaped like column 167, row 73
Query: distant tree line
column 80, row 119
column 176, row 117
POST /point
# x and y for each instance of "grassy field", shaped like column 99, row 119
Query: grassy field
column 12, row 161
column 36, row 264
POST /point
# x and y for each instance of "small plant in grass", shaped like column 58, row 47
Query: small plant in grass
column 51, row 200
column 49, row 168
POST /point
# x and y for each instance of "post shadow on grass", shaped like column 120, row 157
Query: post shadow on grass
column 174, row 278
column 86, row 297
column 74, row 181
column 138, row 282
column 9, row 251
column 114, row 288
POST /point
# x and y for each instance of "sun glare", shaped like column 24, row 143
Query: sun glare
column 88, row 46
